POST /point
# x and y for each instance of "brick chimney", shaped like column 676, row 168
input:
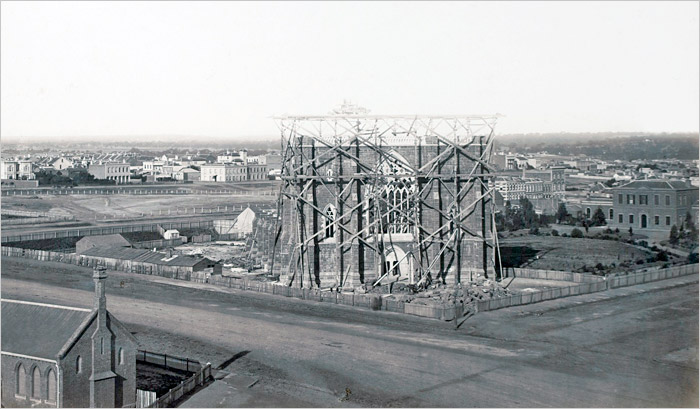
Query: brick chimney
column 99, row 276
column 102, row 379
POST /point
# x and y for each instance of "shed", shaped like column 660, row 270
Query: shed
column 104, row 241
column 171, row 234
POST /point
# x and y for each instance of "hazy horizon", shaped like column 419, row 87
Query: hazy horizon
column 220, row 70
column 181, row 139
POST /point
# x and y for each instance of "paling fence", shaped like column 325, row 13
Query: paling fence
column 37, row 220
column 135, row 191
column 586, row 284
column 581, row 284
column 201, row 374
column 97, row 231
column 173, row 395
column 29, row 217
column 176, row 272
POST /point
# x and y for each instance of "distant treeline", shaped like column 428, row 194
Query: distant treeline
column 608, row 146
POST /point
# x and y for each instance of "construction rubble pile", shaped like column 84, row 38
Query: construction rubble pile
column 447, row 294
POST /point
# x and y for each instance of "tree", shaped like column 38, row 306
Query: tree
column 631, row 232
column 562, row 213
column 673, row 236
column 528, row 215
column 576, row 233
column 688, row 222
column 599, row 217
column 610, row 182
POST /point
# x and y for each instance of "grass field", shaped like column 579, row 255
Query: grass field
column 89, row 207
column 569, row 254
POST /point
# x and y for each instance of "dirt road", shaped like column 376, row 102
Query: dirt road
column 624, row 347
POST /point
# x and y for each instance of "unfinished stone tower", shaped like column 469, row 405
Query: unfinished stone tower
column 390, row 198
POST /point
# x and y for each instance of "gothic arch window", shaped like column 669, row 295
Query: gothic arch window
column 36, row 383
column 51, row 385
column 393, row 198
column 121, row 356
column 78, row 364
column 21, row 380
column 330, row 215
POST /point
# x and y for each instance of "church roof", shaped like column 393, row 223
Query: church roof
column 39, row 330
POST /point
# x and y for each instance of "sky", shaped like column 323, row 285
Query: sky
column 220, row 70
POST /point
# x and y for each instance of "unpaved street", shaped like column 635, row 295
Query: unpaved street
column 625, row 347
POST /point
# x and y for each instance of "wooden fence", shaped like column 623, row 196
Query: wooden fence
column 97, row 231
column 130, row 266
column 168, row 361
column 584, row 284
column 173, row 395
column 593, row 284
column 136, row 190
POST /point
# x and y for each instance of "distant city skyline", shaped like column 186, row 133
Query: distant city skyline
column 220, row 70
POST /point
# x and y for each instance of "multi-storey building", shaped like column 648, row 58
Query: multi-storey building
column 17, row 170
column 119, row 172
column 554, row 176
column 223, row 172
column 234, row 156
column 653, row 204
column 257, row 171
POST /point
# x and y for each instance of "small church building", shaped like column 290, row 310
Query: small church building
column 60, row 356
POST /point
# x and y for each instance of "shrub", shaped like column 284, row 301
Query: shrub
column 555, row 232
column 534, row 231
column 662, row 256
column 564, row 235
column 617, row 230
column 640, row 261
column 576, row 233
column 600, row 266
column 693, row 258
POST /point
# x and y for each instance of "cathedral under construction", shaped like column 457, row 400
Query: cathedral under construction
column 373, row 199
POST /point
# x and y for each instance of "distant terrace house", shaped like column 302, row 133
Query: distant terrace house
column 653, row 204
column 59, row 356
column 118, row 172
column 62, row 164
column 17, row 170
